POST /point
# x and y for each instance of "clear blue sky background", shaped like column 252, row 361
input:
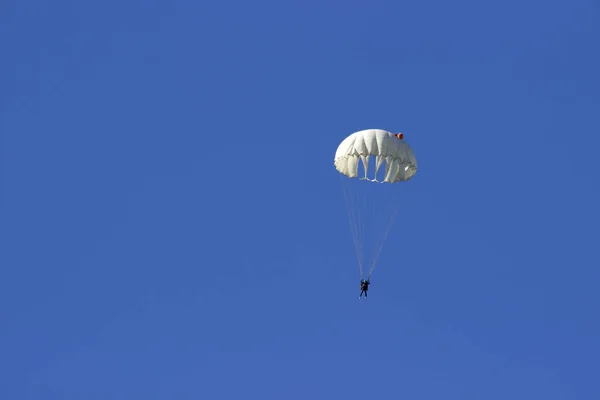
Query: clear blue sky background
column 173, row 226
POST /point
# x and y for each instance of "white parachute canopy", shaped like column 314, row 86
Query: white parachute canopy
column 371, row 163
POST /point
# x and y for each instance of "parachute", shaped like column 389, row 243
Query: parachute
column 371, row 192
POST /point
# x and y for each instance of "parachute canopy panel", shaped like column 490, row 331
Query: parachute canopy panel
column 387, row 148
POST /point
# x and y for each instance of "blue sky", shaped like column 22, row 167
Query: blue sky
column 174, row 228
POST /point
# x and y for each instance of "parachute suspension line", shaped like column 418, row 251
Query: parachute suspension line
column 354, row 223
column 369, row 212
column 362, row 219
column 361, row 214
column 360, row 223
column 385, row 235
column 353, row 226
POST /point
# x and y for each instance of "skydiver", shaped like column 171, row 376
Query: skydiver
column 400, row 136
column 364, row 287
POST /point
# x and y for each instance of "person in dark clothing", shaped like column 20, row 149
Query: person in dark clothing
column 364, row 287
